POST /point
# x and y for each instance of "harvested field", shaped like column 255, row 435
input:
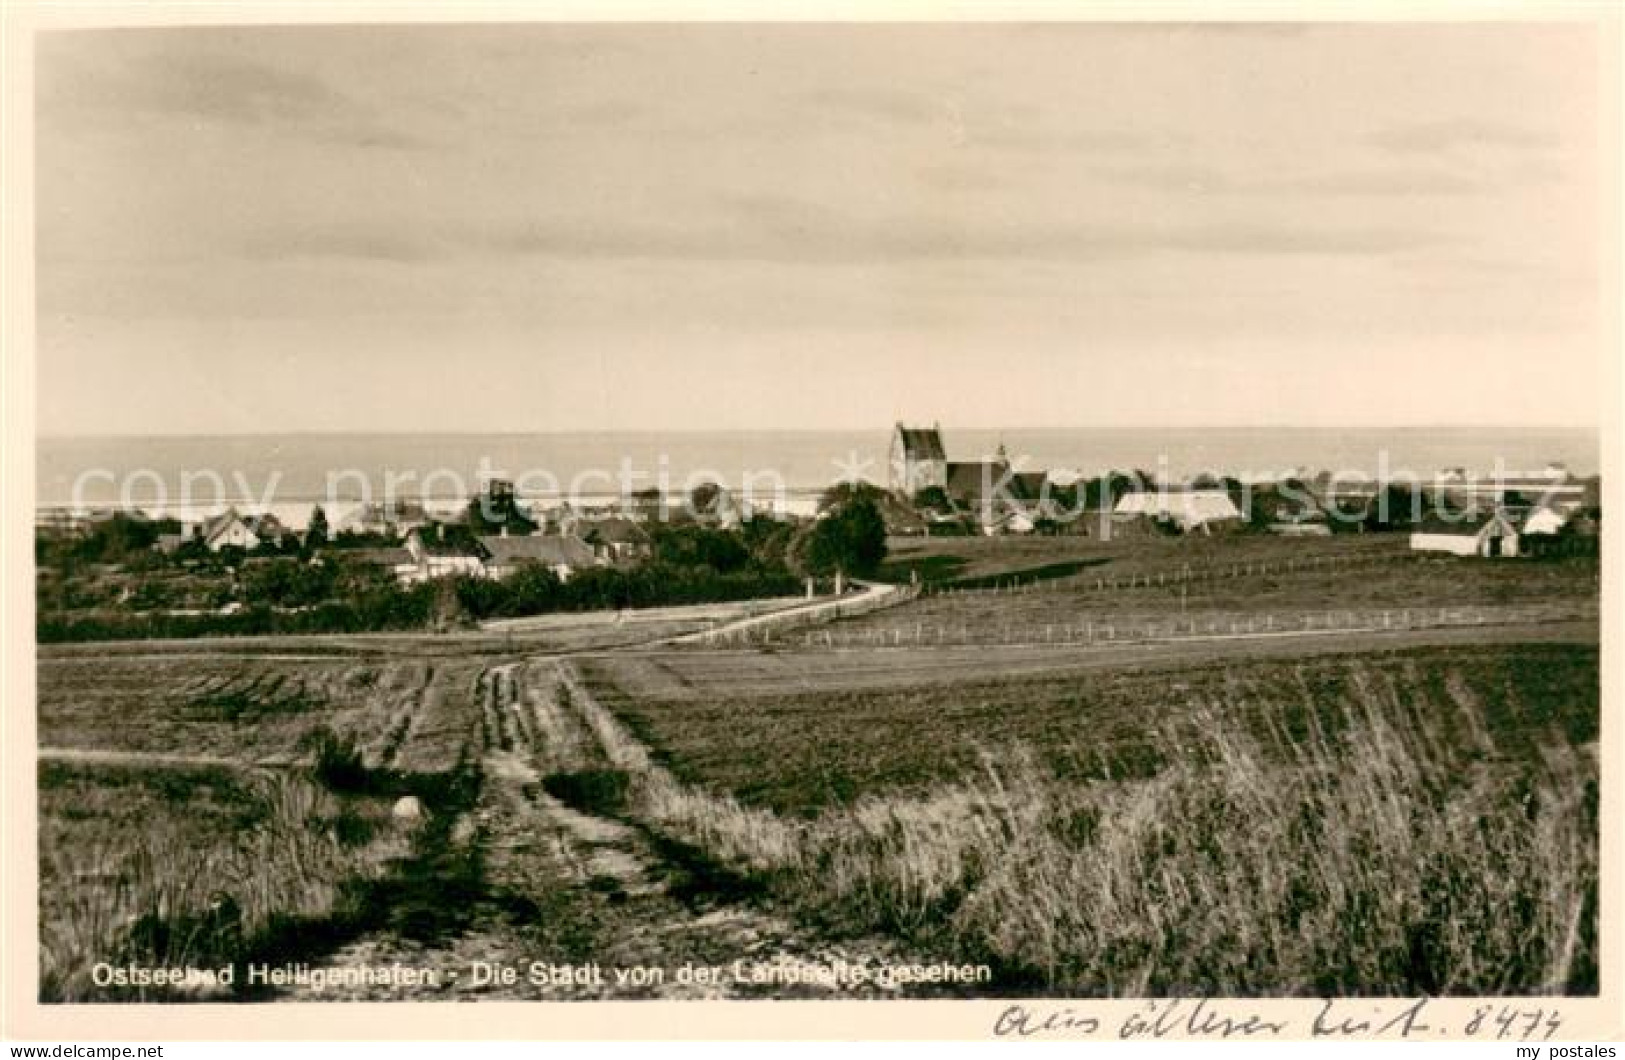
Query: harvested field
column 414, row 715
column 831, row 741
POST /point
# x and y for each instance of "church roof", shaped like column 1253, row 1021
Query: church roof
column 922, row 443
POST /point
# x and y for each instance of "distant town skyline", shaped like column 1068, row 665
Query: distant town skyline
column 549, row 227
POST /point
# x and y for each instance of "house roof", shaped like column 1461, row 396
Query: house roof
column 549, row 549
column 215, row 526
column 435, row 545
column 1185, row 505
column 922, row 443
column 613, row 530
column 1029, row 485
column 977, row 480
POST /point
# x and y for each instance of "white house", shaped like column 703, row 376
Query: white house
column 227, row 530
column 1490, row 534
column 1188, row 508
column 1545, row 519
column 435, row 558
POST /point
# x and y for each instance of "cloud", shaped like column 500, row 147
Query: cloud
column 1049, row 141
column 1353, row 183
column 779, row 230
column 954, row 178
column 354, row 241
column 113, row 76
column 878, row 104
column 1441, row 136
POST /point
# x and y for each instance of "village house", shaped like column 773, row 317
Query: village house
column 396, row 517
column 1189, row 509
column 564, row 555
column 438, row 558
column 613, row 539
column 983, row 488
column 1476, row 534
column 398, row 561
column 917, row 460
column 226, row 530
column 714, row 505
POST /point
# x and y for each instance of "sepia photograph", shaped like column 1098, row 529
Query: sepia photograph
column 1099, row 519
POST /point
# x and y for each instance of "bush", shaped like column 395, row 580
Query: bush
column 602, row 792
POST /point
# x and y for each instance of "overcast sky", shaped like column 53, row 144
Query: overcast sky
column 524, row 228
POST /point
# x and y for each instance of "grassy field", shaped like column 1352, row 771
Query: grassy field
column 1420, row 822
column 1214, row 586
column 946, row 560
column 799, row 752
column 205, row 809
column 171, row 865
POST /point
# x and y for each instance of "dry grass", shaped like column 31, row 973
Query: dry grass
column 1394, row 848
column 164, row 867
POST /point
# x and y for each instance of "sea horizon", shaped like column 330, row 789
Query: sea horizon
column 292, row 470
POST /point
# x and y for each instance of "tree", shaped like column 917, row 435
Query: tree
column 845, row 493
column 316, row 533
column 933, row 499
column 705, row 498
column 1399, row 506
column 849, row 539
column 495, row 511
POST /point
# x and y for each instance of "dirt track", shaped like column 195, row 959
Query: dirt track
column 560, row 887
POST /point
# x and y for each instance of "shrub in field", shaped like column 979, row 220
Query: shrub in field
column 596, row 791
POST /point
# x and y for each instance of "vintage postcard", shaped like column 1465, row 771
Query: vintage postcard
column 1079, row 523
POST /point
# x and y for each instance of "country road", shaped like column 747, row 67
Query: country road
column 871, row 595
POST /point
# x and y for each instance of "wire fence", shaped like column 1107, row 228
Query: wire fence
column 1206, row 626
column 1190, row 574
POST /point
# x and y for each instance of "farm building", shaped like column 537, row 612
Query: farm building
column 918, row 459
column 1189, row 509
column 1483, row 534
column 564, row 555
